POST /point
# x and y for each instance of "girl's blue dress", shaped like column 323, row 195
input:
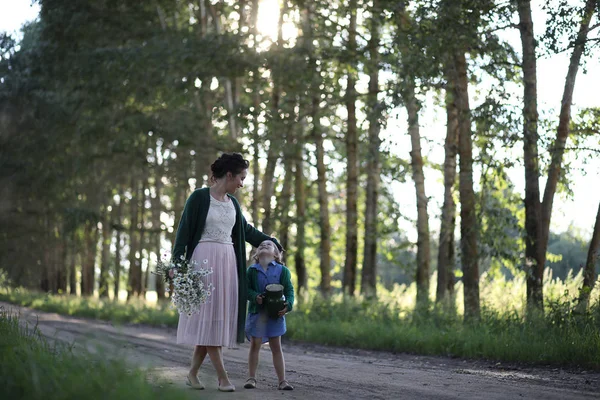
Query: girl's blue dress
column 259, row 324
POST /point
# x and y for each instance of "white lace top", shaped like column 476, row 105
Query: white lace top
column 219, row 222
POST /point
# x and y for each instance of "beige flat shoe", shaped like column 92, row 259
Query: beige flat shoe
column 227, row 388
column 285, row 385
column 250, row 383
column 194, row 382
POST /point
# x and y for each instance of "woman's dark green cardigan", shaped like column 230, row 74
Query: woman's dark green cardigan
column 189, row 232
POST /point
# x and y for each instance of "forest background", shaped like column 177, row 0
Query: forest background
column 414, row 152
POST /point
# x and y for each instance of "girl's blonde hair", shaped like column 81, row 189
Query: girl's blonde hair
column 277, row 253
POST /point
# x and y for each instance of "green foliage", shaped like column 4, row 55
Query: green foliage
column 32, row 368
column 573, row 253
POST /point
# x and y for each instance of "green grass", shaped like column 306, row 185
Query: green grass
column 32, row 369
column 138, row 312
column 571, row 341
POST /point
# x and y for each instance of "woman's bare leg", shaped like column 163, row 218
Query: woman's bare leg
column 197, row 359
column 216, row 357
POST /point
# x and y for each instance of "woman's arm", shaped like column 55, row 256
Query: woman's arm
column 252, row 293
column 256, row 237
column 184, row 230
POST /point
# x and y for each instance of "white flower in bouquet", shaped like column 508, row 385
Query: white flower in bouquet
column 189, row 289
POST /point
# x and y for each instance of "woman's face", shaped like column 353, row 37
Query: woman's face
column 234, row 182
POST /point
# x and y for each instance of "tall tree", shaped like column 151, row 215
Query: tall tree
column 409, row 50
column 534, row 258
column 423, row 240
column 369, row 265
column 445, row 267
column 105, row 254
column 119, row 229
column 88, row 262
column 300, row 197
column 276, row 125
column 558, row 147
column 134, row 284
column 349, row 282
column 317, row 136
column 468, row 216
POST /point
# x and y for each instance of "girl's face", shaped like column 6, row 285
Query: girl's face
column 234, row 182
column 267, row 249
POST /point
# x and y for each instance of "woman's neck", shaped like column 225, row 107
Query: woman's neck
column 218, row 191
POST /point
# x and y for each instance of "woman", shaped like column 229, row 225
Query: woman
column 212, row 233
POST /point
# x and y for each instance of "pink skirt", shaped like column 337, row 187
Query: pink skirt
column 215, row 324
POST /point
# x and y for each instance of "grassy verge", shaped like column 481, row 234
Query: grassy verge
column 556, row 339
column 137, row 312
column 33, row 369
column 561, row 337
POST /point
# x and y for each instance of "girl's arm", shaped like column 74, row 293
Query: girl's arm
column 288, row 288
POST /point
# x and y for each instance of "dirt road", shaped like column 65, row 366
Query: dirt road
column 317, row 372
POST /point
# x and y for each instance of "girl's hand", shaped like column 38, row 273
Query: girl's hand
column 283, row 312
column 259, row 299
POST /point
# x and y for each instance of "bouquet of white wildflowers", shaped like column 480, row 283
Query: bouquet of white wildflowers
column 189, row 289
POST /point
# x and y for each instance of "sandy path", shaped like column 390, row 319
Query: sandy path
column 318, row 372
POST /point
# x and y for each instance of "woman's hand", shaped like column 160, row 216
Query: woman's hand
column 259, row 299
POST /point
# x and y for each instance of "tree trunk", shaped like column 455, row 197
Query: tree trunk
column 104, row 263
column 558, row 148
column 47, row 275
column 256, row 157
column 369, row 267
column 423, row 240
column 300, row 197
column 317, row 136
column 589, row 272
column 284, row 201
column 534, row 260
column 256, row 81
column 468, row 219
column 144, row 275
column 156, row 226
column 134, row 281
column 445, row 267
column 324, row 223
column 89, row 261
column 230, row 100
column 204, row 98
column 118, row 222
column 61, row 252
column 72, row 257
column 60, row 256
column 275, row 131
column 349, row 282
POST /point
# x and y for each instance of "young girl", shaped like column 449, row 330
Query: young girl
column 261, row 328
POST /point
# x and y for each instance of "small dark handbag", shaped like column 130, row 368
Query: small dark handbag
column 274, row 299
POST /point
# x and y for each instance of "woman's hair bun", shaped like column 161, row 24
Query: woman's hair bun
column 228, row 162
